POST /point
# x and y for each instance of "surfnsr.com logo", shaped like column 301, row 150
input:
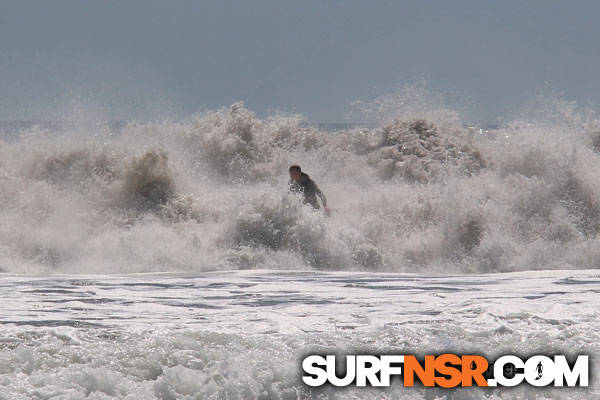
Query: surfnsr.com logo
column 445, row 370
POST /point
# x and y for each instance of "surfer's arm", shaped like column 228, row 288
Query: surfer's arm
column 323, row 200
column 321, row 196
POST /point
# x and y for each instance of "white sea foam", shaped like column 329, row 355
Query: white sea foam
column 242, row 334
column 418, row 193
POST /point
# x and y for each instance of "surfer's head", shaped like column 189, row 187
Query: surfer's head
column 295, row 172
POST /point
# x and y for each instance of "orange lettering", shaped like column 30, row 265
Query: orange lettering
column 441, row 366
column 473, row 368
column 412, row 367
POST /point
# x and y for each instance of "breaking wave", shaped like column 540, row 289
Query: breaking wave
column 418, row 193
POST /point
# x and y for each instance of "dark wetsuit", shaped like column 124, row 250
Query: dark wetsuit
column 309, row 191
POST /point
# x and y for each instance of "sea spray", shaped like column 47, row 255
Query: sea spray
column 411, row 194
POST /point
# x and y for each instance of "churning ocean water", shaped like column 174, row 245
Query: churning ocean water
column 168, row 260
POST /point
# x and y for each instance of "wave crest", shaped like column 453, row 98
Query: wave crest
column 413, row 195
column 417, row 152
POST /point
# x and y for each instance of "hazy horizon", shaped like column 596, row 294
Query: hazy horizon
column 156, row 59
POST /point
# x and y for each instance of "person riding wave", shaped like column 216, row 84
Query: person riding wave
column 301, row 184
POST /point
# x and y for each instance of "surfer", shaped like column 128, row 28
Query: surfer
column 301, row 184
column 539, row 370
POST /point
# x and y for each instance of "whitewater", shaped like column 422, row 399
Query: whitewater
column 168, row 260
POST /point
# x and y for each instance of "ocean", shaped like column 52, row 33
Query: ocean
column 168, row 260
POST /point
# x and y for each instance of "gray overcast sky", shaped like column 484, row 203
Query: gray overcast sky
column 139, row 59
